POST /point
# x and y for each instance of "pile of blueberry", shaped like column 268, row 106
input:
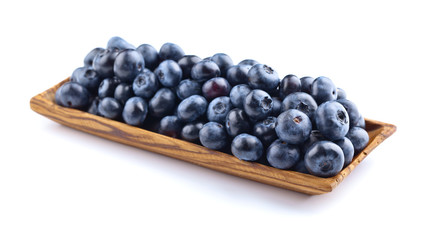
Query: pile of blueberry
column 301, row 124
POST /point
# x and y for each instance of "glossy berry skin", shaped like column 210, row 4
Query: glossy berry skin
column 110, row 108
column 170, row 126
column 258, row 104
column 352, row 111
column 205, row 70
column 186, row 63
column 162, row 103
column 238, row 94
column 293, row 127
column 128, row 64
column 237, row 74
column 188, row 88
column 88, row 78
column 263, row 77
column 248, row 62
column 223, row 61
column 306, row 83
column 341, row 94
column 104, row 62
column 73, row 95
column 192, row 108
column 324, row 159
column 171, row 51
column 315, row 136
column 237, row 122
column 118, row 43
column 332, row 120
column 213, row 135
column 150, row 55
column 135, row 111
column 289, row 84
column 218, row 109
column 123, row 92
column 247, row 147
column 93, row 107
column 347, row 148
column 359, row 138
column 145, row 85
column 75, row 74
column 323, row 90
column 89, row 58
column 216, row 87
column 191, row 131
column 168, row 73
column 107, row 87
column 302, row 102
column 277, row 107
column 265, row 130
column 282, row 155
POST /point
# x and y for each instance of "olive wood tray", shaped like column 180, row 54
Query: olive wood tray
column 45, row 105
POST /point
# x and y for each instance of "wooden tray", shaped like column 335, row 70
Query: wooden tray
column 44, row 104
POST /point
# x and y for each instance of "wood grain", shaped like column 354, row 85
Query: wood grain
column 44, row 104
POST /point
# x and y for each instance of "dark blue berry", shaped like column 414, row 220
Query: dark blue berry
column 89, row 59
column 128, row 64
column 247, row 147
column 205, row 70
column 110, row 108
column 93, row 107
column 332, row 120
column 362, row 122
column 135, row 111
column 171, row 51
column 306, row 83
column 347, row 148
column 265, row 130
column 192, row 108
column 145, row 85
column 237, row 122
column 341, row 94
column 213, row 135
column 107, row 87
column 223, row 61
column 188, row 88
column 237, row 74
column 104, row 61
column 123, row 92
column 216, row 87
column 323, row 90
column 186, row 63
column 258, row 104
column 324, row 159
column 248, row 62
column 168, row 73
column 277, row 107
column 88, row 78
column 263, row 77
column 301, row 101
column 162, row 103
column 289, row 84
column 359, row 138
column 191, row 131
column 315, row 136
column 170, row 126
column 293, row 126
column 238, row 94
column 150, row 55
column 118, row 43
column 352, row 111
column 218, row 109
column 73, row 95
column 75, row 74
column 283, row 155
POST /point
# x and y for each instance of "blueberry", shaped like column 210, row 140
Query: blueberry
column 170, row 126
column 216, row 87
column 162, row 103
column 265, row 130
column 263, row 77
column 315, row 136
column 301, row 101
column 238, row 94
column 300, row 167
column 107, row 87
column 205, row 70
column 347, row 148
column 223, row 61
column 186, row 63
column 237, row 122
column 150, row 55
column 213, row 135
column 191, row 131
column 145, row 85
column 171, row 51
column 93, row 107
column 293, row 126
column 104, row 61
column 237, row 74
column 110, row 108
column 128, row 64
column 75, row 74
column 168, row 73
column 135, row 111
column 359, row 138
column 118, row 43
column 192, row 108
column 218, row 109
column 332, row 120
column 341, row 94
column 352, row 111
column 73, row 95
column 123, row 92
column 258, row 104
column 247, row 147
column 88, row 78
column 306, row 83
column 323, row 90
column 248, row 62
column 89, row 59
column 289, row 84
column 324, row 159
column 361, row 122
column 283, row 155
column 188, row 88
column 277, row 107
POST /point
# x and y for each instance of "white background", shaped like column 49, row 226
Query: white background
column 58, row 183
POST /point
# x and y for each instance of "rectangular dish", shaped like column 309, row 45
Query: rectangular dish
column 45, row 105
